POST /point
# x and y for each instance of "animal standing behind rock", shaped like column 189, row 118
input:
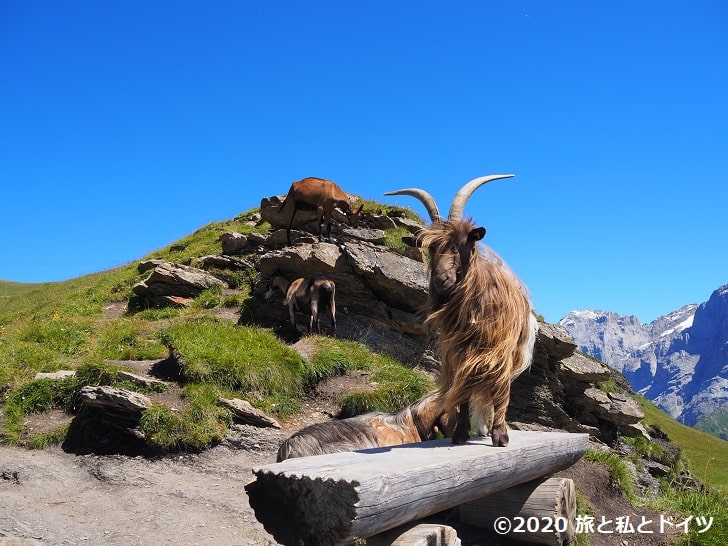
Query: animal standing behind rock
column 416, row 423
column 307, row 295
column 482, row 319
column 323, row 196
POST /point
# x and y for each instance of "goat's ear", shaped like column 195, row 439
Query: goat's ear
column 477, row 234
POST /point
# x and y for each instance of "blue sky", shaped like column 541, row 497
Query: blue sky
column 127, row 125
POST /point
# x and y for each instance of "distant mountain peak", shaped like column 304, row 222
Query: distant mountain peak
column 679, row 360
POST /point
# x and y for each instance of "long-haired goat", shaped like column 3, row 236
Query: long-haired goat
column 416, row 423
column 480, row 315
column 311, row 294
column 323, row 196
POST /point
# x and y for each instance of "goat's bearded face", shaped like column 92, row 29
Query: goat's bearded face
column 451, row 254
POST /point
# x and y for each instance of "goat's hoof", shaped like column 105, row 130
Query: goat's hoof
column 499, row 436
column 460, row 439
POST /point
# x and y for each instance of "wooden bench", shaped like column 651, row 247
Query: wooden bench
column 339, row 498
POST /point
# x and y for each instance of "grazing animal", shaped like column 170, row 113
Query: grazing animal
column 482, row 319
column 323, row 196
column 416, row 423
column 311, row 294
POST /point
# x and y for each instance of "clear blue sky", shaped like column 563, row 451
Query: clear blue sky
column 125, row 126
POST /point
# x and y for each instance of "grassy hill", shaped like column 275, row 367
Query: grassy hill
column 715, row 424
column 706, row 455
column 81, row 325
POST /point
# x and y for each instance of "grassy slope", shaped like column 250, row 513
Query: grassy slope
column 65, row 325
column 707, row 455
column 716, row 424
column 51, row 326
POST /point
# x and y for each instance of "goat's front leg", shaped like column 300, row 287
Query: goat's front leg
column 321, row 218
column 292, row 312
column 462, row 427
column 313, row 320
column 499, row 432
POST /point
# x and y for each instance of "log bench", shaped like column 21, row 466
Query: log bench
column 341, row 497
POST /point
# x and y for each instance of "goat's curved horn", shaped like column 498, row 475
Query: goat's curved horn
column 462, row 196
column 423, row 196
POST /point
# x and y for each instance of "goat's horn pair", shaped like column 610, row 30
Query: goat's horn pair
column 458, row 202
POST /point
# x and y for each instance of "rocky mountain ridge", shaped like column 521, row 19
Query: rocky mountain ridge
column 679, row 361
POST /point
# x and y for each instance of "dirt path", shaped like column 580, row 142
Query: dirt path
column 52, row 497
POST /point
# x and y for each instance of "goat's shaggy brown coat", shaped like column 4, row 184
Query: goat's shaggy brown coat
column 415, row 423
column 322, row 196
column 307, row 294
column 483, row 323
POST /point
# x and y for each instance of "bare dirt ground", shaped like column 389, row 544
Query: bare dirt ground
column 54, row 498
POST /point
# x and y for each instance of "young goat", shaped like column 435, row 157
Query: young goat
column 416, row 423
column 310, row 294
column 481, row 317
column 323, row 196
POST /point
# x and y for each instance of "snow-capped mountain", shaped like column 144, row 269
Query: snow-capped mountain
column 679, row 361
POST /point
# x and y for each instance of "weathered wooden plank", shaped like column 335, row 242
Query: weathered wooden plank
column 541, row 511
column 337, row 498
column 422, row 534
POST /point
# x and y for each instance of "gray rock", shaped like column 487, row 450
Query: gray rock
column 596, row 401
column 226, row 262
column 114, row 399
column 623, row 410
column 556, row 340
column 658, row 470
column 55, row 376
column 583, row 368
column 244, row 412
column 412, row 226
column 139, row 379
column 373, row 236
column 233, row 243
column 381, row 221
column 169, row 279
column 402, row 282
column 148, row 265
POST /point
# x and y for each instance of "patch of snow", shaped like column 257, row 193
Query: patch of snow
column 687, row 323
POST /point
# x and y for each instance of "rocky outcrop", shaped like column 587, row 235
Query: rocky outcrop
column 378, row 293
column 174, row 284
column 561, row 390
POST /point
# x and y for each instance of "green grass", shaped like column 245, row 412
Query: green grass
column 43, row 395
column 618, row 470
column 706, row 455
column 706, row 504
column 396, row 385
column 202, row 424
column 715, row 424
column 248, row 360
column 129, row 339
